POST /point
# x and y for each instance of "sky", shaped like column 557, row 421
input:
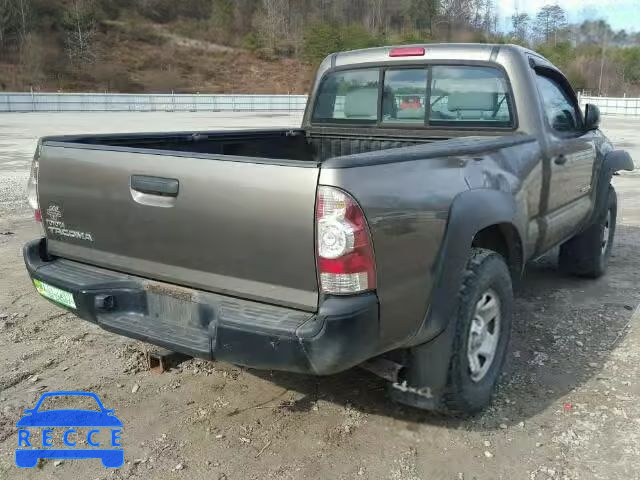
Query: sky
column 619, row 13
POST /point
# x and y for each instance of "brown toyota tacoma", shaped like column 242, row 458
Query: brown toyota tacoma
column 387, row 230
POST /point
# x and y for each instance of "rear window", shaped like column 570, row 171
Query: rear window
column 404, row 95
column 469, row 95
column 350, row 96
column 438, row 96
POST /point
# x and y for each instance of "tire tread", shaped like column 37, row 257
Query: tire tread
column 455, row 401
column 581, row 255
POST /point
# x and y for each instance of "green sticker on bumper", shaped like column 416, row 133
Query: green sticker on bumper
column 55, row 294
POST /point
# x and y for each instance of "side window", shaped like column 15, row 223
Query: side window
column 404, row 95
column 559, row 107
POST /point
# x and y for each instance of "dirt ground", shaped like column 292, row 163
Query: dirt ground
column 567, row 408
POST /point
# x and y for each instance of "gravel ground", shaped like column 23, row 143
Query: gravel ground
column 567, row 408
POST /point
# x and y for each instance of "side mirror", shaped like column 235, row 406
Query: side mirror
column 591, row 117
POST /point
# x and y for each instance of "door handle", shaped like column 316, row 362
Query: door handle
column 163, row 187
column 560, row 160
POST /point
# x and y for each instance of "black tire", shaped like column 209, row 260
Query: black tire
column 587, row 254
column 485, row 271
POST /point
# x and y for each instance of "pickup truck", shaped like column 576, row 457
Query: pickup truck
column 374, row 234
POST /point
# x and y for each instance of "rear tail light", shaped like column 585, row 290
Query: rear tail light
column 344, row 250
column 32, row 186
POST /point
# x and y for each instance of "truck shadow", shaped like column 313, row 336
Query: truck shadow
column 565, row 328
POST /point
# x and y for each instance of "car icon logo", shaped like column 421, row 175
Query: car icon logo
column 98, row 422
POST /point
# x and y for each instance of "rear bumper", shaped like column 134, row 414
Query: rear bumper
column 343, row 333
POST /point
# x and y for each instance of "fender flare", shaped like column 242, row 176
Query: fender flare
column 428, row 361
column 617, row 160
column 613, row 161
column 470, row 212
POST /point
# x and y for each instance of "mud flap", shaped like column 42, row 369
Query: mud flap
column 423, row 381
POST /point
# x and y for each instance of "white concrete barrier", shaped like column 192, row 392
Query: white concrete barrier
column 152, row 102
column 124, row 102
column 614, row 105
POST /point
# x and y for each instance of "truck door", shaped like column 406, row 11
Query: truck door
column 570, row 158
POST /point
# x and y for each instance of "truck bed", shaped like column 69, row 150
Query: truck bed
column 240, row 223
column 283, row 145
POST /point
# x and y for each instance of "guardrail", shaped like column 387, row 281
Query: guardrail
column 124, row 102
column 614, row 105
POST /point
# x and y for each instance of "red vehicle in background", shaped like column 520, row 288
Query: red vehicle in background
column 411, row 102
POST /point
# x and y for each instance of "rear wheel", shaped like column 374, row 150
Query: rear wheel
column 587, row 254
column 480, row 337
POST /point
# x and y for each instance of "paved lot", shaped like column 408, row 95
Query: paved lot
column 568, row 407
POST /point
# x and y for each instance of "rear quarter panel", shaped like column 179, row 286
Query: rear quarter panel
column 407, row 205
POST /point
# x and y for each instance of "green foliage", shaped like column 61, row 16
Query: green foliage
column 629, row 59
column 521, row 24
column 412, row 37
column 419, row 14
column 564, row 56
column 161, row 11
column 46, row 15
column 222, row 14
column 82, row 15
column 113, row 8
column 197, row 9
column 164, row 11
column 321, row 39
column 252, row 42
column 353, row 37
column 79, row 22
column 550, row 20
column 479, row 37
column 559, row 54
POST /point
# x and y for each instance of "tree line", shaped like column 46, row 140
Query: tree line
column 595, row 56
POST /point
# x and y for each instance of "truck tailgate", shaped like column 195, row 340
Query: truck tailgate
column 223, row 224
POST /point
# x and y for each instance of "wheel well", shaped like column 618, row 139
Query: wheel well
column 504, row 239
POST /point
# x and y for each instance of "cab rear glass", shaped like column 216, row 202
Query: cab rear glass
column 447, row 96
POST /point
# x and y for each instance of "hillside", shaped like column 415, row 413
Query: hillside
column 137, row 55
column 271, row 46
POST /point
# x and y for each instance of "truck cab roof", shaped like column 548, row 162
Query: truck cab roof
column 432, row 51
